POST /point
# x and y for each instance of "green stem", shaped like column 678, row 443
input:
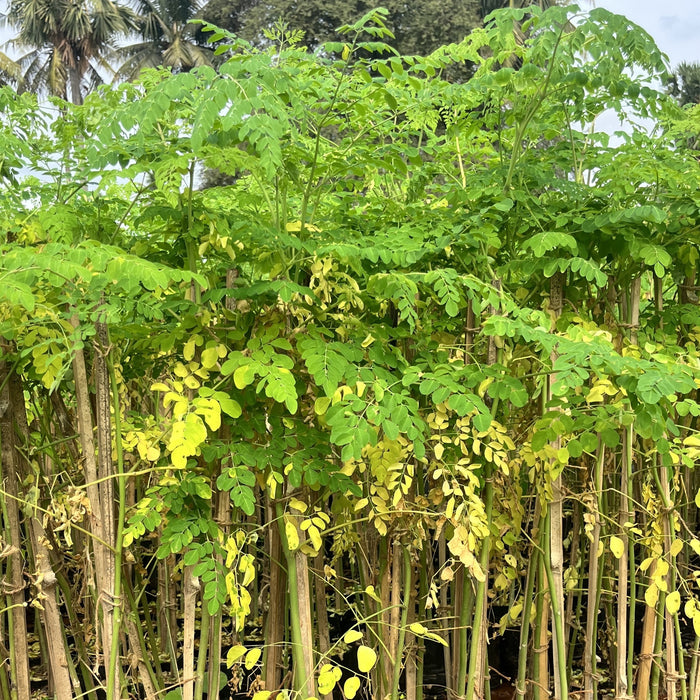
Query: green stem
column 215, row 656
column 693, row 676
column 559, row 646
column 631, row 622
column 119, row 544
column 465, row 616
column 525, row 623
column 407, row 571
column 681, row 660
column 658, row 643
column 422, row 593
column 479, row 607
column 301, row 681
column 202, row 653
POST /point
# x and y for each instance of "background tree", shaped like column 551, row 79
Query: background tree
column 67, row 41
column 684, row 84
column 167, row 38
column 418, row 29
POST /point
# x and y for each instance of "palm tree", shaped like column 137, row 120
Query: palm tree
column 10, row 71
column 68, row 41
column 167, row 39
column 684, row 84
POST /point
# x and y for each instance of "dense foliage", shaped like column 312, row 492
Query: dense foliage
column 428, row 369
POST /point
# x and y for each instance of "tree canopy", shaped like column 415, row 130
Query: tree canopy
column 426, row 369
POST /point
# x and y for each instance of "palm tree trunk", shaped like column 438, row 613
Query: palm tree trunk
column 74, row 79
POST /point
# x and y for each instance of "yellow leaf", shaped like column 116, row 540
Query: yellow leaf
column 689, row 608
column 436, row 638
column 159, row 386
column 673, row 602
column 315, row 537
column 243, row 376
column 252, row 657
column 676, row 547
column 696, row 623
column 188, row 350
column 438, row 450
column 477, row 571
column 351, row 686
column 234, row 653
column 651, row 595
column 210, row 357
column 180, row 370
column 646, row 563
column 450, row 509
column 178, row 457
column 595, row 395
column 447, row 574
column 327, row 678
column 292, row 535
column 695, row 545
column 321, row 405
column 346, row 52
column 697, row 499
column 366, row 658
column 296, row 504
column 371, row 593
column 418, row 628
column 153, row 453
column 191, row 382
column 262, row 695
column 515, row 611
column 661, row 569
column 352, row 636
column 361, row 504
column 169, row 397
column 617, row 546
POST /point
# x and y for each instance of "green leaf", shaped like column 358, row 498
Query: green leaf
column 228, row 405
column 244, row 376
column 547, row 241
column 210, row 357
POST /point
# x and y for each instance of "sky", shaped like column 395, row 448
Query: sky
column 674, row 24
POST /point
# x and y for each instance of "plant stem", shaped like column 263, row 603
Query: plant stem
column 407, row 574
column 520, row 684
column 477, row 652
column 119, row 533
column 558, row 623
column 303, row 681
column 202, row 653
